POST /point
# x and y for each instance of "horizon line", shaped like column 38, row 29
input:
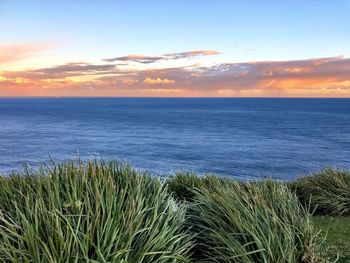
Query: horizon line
column 164, row 97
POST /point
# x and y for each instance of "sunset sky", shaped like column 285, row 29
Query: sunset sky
column 175, row 48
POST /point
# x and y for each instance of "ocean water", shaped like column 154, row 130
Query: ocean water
column 245, row 138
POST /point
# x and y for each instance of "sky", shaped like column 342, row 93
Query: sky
column 175, row 48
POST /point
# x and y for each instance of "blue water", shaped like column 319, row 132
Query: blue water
column 245, row 138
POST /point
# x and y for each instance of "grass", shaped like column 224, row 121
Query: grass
column 90, row 212
column 246, row 221
column 252, row 223
column 108, row 212
column 337, row 232
column 184, row 186
column 326, row 192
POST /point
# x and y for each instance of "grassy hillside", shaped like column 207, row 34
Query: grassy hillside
column 108, row 212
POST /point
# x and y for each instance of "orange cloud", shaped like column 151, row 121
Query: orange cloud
column 323, row 77
column 151, row 81
column 129, row 81
column 14, row 52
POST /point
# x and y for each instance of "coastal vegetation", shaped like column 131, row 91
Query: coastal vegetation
column 108, row 212
column 90, row 212
column 327, row 192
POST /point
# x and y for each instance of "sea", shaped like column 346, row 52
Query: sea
column 245, row 138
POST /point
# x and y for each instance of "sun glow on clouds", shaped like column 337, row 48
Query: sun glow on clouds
column 14, row 52
column 19, row 56
column 151, row 81
column 141, row 75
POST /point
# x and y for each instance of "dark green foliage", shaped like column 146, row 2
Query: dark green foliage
column 252, row 222
column 183, row 186
column 326, row 192
column 246, row 222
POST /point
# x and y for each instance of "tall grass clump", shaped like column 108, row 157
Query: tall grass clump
column 90, row 212
column 326, row 192
column 251, row 222
column 184, row 186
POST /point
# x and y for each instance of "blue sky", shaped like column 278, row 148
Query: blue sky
column 243, row 30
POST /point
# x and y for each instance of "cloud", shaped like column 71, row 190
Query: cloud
column 64, row 71
column 14, row 52
column 151, row 81
column 310, row 77
column 321, row 77
column 73, row 69
column 135, row 58
column 171, row 56
column 191, row 54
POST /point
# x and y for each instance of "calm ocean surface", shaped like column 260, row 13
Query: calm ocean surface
column 245, row 138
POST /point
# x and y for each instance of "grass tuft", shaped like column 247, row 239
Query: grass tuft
column 326, row 192
column 90, row 212
column 246, row 221
column 183, row 186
